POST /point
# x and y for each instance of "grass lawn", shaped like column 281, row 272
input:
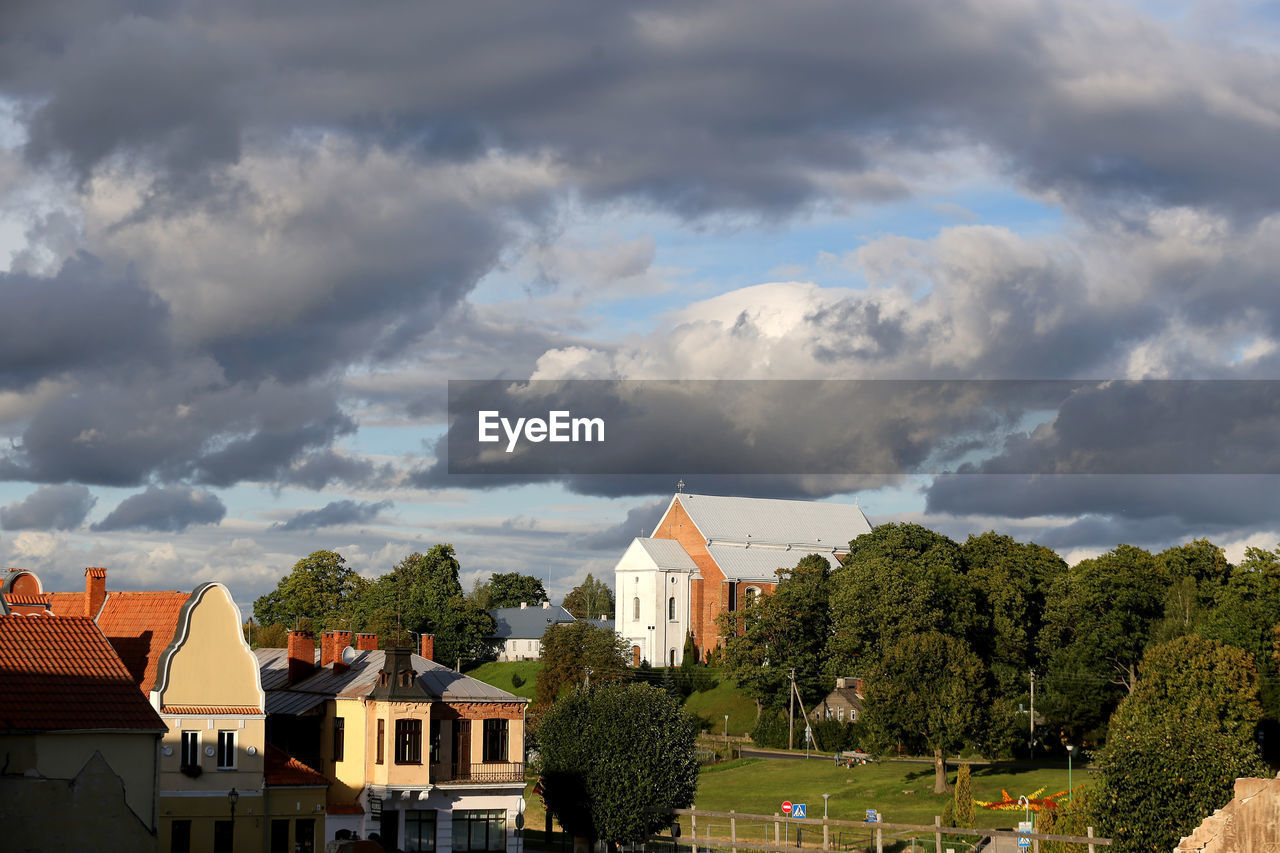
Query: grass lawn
column 724, row 698
column 902, row 793
column 500, row 674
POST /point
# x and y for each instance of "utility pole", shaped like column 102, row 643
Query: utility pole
column 791, row 712
column 1031, row 744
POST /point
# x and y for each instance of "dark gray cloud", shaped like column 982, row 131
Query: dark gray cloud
column 334, row 514
column 164, row 509
column 640, row 521
column 699, row 107
column 49, row 508
column 82, row 319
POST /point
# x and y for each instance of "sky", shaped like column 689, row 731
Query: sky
column 244, row 247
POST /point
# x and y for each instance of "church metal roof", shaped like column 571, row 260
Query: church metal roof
column 816, row 525
column 755, row 563
column 528, row 623
column 668, row 554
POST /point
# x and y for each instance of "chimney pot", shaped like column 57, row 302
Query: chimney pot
column 95, row 590
column 367, row 642
column 523, row 605
column 546, row 605
column 341, row 640
column 302, row 655
column 326, row 648
column 429, row 646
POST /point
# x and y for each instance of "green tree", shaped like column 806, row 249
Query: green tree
column 574, row 652
column 590, row 599
column 898, row 579
column 509, row 589
column 1245, row 611
column 1178, row 742
column 616, row 759
column 422, row 595
column 963, row 811
column 1098, row 621
column 320, row 587
column 774, row 633
column 928, row 694
column 1197, row 573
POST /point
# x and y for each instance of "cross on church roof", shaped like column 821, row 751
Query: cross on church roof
column 680, row 487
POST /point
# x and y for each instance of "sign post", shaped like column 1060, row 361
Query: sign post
column 786, row 807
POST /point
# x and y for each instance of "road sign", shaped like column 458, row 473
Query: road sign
column 375, row 808
column 1024, row 826
column 873, row 816
column 799, row 810
column 786, row 807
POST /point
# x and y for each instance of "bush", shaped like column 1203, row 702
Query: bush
column 517, row 680
column 771, row 730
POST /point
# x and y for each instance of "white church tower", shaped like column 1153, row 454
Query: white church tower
column 653, row 597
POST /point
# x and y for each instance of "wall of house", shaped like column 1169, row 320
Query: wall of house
column 707, row 593
column 63, row 755
column 389, row 773
column 348, row 774
column 213, row 665
column 247, row 774
column 520, row 649
column 86, row 810
column 204, row 813
column 291, row 805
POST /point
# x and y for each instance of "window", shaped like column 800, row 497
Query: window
column 280, row 836
column 339, row 738
column 673, row 658
column 224, row 836
column 190, row 749
column 304, row 835
column 840, row 714
column 495, row 740
column 382, row 739
column 635, row 608
column 750, row 593
column 226, row 750
column 671, row 608
column 408, row 741
column 733, row 596
column 419, row 831
column 479, row 831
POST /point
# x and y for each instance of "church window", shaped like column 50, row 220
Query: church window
column 671, row 608
column 635, row 608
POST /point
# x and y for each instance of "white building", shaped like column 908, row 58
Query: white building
column 653, row 583
column 520, row 629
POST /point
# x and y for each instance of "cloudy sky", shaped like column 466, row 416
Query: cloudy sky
column 243, row 247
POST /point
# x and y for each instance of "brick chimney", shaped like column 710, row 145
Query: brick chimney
column 341, row 639
column 429, row 646
column 367, row 642
column 95, row 590
column 326, row 648
column 857, row 686
column 302, row 655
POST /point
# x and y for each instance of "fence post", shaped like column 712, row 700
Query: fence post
column 826, row 835
column 693, row 828
column 733, row 831
column 879, row 840
column 777, row 831
column 937, row 834
column 1089, row 832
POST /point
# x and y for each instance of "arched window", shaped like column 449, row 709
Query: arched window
column 671, row 608
column 750, row 593
column 635, row 608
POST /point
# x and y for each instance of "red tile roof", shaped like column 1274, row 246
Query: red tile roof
column 21, row 598
column 283, row 769
column 62, row 674
column 140, row 625
column 210, row 710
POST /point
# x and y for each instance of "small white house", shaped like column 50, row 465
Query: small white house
column 520, row 629
column 652, row 609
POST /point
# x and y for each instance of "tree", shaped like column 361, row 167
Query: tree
column 1197, row 573
column 928, row 694
column 509, row 589
column 422, row 595
column 1098, row 620
column 1179, row 741
column 898, row 579
column 590, row 599
column 320, row 587
column 575, row 652
column 774, row 633
column 616, row 759
column 1245, row 610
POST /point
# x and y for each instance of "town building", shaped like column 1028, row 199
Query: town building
column 710, row 555
column 844, row 703
column 428, row 758
column 520, row 629
column 78, row 739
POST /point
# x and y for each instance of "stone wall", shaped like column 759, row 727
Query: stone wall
column 1250, row 823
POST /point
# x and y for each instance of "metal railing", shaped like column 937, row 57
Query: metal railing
column 473, row 774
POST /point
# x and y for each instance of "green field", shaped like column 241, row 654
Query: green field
column 722, row 699
column 500, row 675
column 902, row 793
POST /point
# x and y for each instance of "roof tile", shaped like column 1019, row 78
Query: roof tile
column 283, row 769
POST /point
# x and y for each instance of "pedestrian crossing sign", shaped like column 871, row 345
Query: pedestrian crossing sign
column 798, row 810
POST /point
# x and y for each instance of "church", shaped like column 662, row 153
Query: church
column 712, row 554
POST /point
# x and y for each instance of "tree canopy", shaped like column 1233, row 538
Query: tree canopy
column 590, row 599
column 320, row 588
column 615, row 759
column 509, row 589
column 1179, row 741
column 574, row 652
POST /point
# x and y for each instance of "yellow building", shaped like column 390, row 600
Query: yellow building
column 426, row 757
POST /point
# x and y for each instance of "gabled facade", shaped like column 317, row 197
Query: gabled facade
column 520, row 629
column 426, row 757
column 735, row 547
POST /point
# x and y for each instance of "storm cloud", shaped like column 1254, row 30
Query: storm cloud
column 334, row 514
column 164, row 509
column 49, row 508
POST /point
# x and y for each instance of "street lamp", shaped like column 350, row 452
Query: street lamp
column 233, row 797
column 824, row 806
column 726, row 730
column 1071, row 749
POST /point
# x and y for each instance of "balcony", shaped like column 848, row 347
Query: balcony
column 477, row 774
